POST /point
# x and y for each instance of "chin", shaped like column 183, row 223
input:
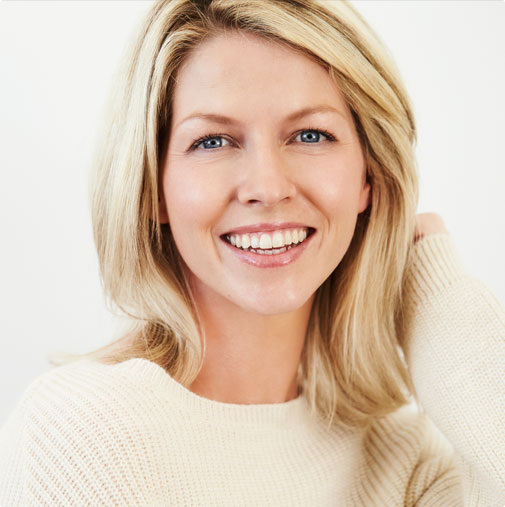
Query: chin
column 275, row 305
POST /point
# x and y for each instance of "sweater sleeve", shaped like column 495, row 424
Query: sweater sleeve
column 454, row 344
column 81, row 434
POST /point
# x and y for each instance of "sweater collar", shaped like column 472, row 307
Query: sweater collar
column 292, row 413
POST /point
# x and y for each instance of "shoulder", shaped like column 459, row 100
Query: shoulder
column 80, row 423
column 82, row 377
column 93, row 380
column 89, row 392
column 86, row 405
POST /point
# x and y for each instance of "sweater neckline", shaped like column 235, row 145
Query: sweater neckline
column 285, row 414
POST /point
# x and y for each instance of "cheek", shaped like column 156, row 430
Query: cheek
column 337, row 190
column 194, row 199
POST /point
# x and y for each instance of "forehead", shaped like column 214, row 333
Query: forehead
column 249, row 73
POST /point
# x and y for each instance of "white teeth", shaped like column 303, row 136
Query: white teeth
column 268, row 241
column 246, row 242
column 265, row 241
column 272, row 252
column 278, row 239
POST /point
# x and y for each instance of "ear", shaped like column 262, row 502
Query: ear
column 365, row 197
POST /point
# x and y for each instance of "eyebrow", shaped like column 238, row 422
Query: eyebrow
column 225, row 120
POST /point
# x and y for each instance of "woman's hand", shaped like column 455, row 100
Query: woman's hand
column 428, row 223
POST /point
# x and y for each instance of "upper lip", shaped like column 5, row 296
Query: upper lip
column 267, row 227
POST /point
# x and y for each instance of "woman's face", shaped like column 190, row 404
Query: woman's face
column 266, row 161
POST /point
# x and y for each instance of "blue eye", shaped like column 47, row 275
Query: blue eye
column 210, row 142
column 312, row 136
column 214, row 141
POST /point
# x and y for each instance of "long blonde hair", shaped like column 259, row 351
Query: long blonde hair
column 352, row 369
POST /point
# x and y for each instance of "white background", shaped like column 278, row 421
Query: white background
column 57, row 61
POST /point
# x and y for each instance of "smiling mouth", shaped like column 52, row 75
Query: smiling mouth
column 263, row 245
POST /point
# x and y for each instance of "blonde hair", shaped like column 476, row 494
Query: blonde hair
column 352, row 369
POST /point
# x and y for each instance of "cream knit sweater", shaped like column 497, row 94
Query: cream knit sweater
column 128, row 434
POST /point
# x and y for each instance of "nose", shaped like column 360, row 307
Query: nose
column 266, row 178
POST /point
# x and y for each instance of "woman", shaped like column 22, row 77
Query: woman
column 254, row 214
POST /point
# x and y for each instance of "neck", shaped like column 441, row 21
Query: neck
column 249, row 358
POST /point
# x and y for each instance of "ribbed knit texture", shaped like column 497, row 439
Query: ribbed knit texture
column 130, row 435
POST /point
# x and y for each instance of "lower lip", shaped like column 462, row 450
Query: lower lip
column 270, row 261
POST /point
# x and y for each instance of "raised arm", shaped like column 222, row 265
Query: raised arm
column 455, row 348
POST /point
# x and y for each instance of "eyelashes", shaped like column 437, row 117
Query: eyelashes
column 208, row 137
column 217, row 135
